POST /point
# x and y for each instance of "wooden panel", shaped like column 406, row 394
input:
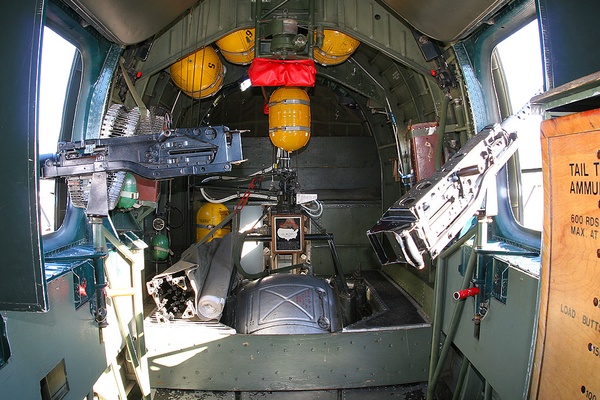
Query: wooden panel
column 568, row 346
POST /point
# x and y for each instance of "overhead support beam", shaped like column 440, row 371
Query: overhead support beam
column 366, row 21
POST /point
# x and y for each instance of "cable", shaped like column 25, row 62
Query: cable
column 239, row 178
column 172, row 207
column 247, row 194
column 235, row 196
column 315, row 212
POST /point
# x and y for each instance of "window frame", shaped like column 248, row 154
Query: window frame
column 477, row 64
column 22, row 283
column 93, row 50
column 23, row 280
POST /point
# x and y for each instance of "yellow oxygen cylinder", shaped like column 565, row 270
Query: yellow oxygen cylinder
column 336, row 48
column 209, row 216
column 238, row 46
column 200, row 74
column 289, row 118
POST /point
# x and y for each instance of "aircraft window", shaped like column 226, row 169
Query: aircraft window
column 521, row 61
column 57, row 60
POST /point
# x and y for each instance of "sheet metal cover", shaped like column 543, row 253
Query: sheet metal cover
column 445, row 20
column 132, row 21
column 287, row 303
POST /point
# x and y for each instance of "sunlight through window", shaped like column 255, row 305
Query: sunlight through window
column 57, row 60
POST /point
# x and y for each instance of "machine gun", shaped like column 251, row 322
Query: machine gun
column 428, row 217
column 95, row 168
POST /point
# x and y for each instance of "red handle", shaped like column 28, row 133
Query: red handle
column 463, row 294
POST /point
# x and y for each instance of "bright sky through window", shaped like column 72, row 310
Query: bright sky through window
column 57, row 60
column 522, row 63
column 522, row 66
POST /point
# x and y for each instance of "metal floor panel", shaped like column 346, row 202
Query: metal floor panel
column 173, row 394
column 405, row 392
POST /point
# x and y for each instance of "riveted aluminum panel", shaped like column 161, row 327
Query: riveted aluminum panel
column 212, row 357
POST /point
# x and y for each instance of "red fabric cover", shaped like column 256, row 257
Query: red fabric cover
column 270, row 72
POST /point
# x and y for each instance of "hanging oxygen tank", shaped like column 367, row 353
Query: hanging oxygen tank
column 129, row 193
column 200, row 74
column 160, row 247
column 209, row 216
column 238, row 46
column 289, row 118
column 336, row 48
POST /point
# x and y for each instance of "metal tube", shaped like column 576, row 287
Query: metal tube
column 311, row 26
column 309, row 236
column 338, row 266
column 488, row 391
column 101, row 312
column 257, row 33
column 461, row 377
column 439, row 149
column 136, row 96
column 440, row 277
column 439, row 294
column 99, row 271
column 458, row 308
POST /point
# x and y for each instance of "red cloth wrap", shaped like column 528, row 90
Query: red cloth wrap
column 270, row 72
